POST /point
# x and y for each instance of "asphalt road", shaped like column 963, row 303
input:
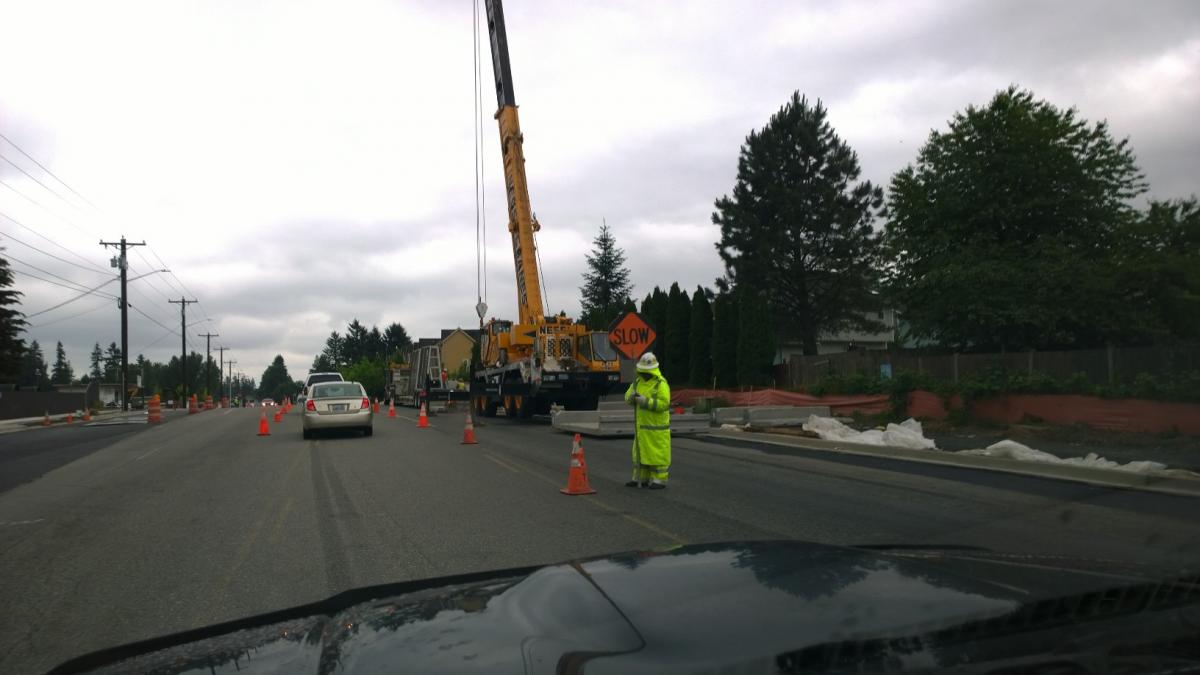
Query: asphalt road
column 199, row 520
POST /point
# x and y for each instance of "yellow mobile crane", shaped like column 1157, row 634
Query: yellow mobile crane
column 540, row 360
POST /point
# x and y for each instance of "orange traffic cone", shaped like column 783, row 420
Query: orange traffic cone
column 87, row 414
column 376, row 410
column 577, row 480
column 70, row 418
column 263, row 428
column 423, row 419
column 391, row 409
column 46, row 419
column 469, row 431
column 278, row 415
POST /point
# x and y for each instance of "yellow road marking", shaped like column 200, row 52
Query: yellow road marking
column 277, row 531
column 502, row 463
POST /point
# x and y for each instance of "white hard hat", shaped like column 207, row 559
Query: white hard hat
column 647, row 363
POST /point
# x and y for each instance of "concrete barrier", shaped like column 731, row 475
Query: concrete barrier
column 767, row 416
column 610, row 424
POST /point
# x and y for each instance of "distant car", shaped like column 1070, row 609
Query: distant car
column 268, row 402
column 112, row 404
column 337, row 405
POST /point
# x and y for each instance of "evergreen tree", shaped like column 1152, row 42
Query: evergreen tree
column 606, row 284
column 725, row 340
column 356, row 345
column 12, row 322
column 1003, row 234
column 275, row 382
column 34, row 372
column 62, row 373
column 376, row 347
column 396, row 339
column 798, row 226
column 96, row 373
column 678, row 341
column 755, row 340
column 112, row 364
column 701, row 333
column 334, row 353
column 654, row 312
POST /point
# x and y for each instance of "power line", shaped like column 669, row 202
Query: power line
column 51, row 255
column 67, row 302
column 152, row 319
column 47, row 238
column 157, row 340
column 70, row 281
column 182, row 286
column 76, row 287
column 47, row 188
column 51, row 173
column 73, row 316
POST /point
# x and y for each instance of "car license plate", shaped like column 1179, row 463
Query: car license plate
column 339, row 407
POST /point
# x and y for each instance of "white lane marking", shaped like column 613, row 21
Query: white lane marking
column 21, row 522
column 148, row 453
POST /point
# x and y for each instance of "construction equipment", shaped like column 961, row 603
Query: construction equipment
column 539, row 360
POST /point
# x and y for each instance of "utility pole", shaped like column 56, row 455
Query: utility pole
column 183, row 303
column 231, row 362
column 208, row 362
column 221, row 369
column 121, row 262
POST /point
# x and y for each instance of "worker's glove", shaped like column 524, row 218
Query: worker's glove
column 640, row 401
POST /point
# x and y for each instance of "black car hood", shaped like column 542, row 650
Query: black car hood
column 750, row 607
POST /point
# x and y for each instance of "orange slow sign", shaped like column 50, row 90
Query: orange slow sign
column 631, row 336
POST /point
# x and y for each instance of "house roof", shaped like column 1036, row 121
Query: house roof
column 472, row 333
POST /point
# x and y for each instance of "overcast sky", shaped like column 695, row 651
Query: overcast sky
column 300, row 164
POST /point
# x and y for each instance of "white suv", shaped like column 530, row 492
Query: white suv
column 314, row 378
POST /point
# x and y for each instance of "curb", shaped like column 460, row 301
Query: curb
column 1176, row 482
column 57, row 420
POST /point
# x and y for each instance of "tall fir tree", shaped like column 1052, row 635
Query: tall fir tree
column 679, row 319
column 798, row 226
column 112, row 363
column 96, row 373
column 725, row 340
column 701, row 334
column 12, row 323
column 61, row 372
column 396, row 339
column 606, row 286
column 755, row 339
column 35, row 374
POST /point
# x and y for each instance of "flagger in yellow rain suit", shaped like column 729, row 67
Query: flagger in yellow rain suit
column 651, row 397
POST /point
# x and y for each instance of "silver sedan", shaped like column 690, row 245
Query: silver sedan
column 337, row 405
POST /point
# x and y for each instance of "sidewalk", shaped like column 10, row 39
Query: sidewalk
column 1172, row 481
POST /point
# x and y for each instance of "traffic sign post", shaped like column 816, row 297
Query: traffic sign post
column 631, row 336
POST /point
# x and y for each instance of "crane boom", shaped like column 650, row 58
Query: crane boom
column 540, row 361
column 521, row 223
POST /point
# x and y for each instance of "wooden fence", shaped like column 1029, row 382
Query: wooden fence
column 1099, row 366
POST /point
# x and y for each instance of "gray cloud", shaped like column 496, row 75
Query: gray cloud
column 294, row 190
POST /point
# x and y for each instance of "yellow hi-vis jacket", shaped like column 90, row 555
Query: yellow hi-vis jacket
column 652, row 444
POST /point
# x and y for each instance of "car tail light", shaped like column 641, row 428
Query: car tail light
column 366, row 403
column 310, row 405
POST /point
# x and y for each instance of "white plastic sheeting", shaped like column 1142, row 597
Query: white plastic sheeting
column 909, row 434
column 1014, row 450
